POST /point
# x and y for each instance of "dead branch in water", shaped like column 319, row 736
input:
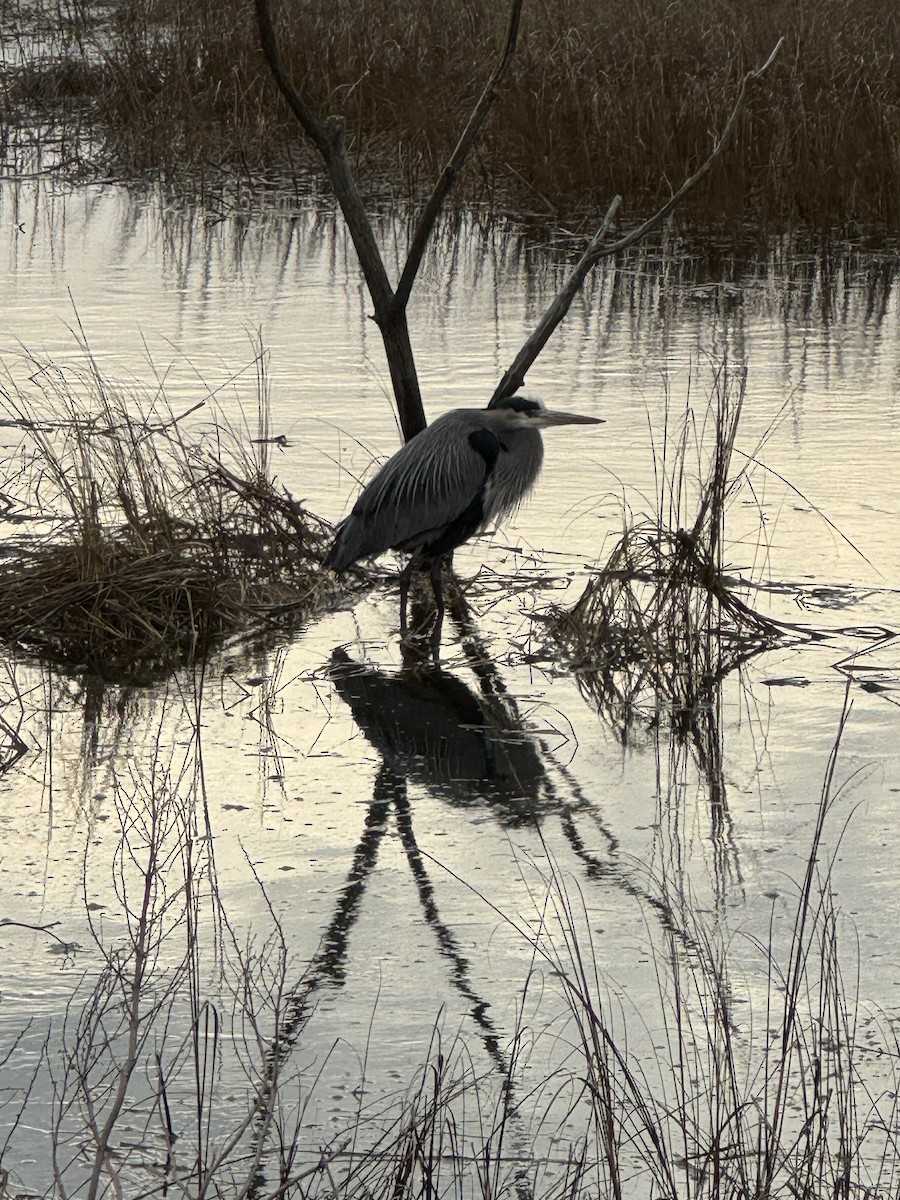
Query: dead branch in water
column 389, row 304
column 328, row 137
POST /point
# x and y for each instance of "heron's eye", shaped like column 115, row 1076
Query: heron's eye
column 522, row 406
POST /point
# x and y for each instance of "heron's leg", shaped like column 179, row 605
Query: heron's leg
column 438, row 588
column 405, row 577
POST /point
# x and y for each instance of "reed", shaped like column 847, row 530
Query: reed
column 760, row 1087
column 663, row 622
column 604, row 99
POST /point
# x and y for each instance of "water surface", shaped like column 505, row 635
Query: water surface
column 405, row 831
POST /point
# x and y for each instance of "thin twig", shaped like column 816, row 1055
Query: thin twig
column 515, row 376
column 6, row 923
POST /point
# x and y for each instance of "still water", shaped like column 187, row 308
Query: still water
column 357, row 863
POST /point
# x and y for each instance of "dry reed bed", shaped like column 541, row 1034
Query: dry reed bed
column 159, row 545
column 605, row 97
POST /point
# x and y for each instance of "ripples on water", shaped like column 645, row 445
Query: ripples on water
column 406, row 853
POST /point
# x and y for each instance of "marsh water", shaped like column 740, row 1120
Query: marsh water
column 378, row 851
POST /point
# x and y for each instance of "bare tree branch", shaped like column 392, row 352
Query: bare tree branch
column 328, row 137
column 313, row 128
column 451, row 171
column 514, row 377
column 691, row 182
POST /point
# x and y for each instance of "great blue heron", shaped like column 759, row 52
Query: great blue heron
column 468, row 469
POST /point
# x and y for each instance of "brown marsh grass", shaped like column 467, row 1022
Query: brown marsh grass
column 662, row 623
column 155, row 544
column 604, row 98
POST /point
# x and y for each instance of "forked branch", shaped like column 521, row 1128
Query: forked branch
column 515, row 375
column 328, row 137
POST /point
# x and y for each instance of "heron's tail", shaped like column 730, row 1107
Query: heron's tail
column 345, row 549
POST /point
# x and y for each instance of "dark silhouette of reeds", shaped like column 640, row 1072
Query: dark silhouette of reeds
column 603, row 98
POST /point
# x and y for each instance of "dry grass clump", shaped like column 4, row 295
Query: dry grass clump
column 603, row 98
column 153, row 545
column 662, row 623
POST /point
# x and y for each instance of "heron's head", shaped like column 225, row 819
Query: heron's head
column 528, row 412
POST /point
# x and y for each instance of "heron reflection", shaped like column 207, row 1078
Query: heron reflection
column 430, row 728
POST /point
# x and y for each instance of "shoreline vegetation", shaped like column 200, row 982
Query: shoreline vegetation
column 600, row 99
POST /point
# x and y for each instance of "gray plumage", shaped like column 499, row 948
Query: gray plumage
column 467, row 470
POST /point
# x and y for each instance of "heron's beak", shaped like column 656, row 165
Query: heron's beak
column 549, row 417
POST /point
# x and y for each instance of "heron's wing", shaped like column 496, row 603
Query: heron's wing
column 428, row 485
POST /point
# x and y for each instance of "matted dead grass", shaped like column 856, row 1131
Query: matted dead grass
column 154, row 545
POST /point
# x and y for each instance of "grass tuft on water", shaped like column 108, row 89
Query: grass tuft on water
column 663, row 622
column 154, row 544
